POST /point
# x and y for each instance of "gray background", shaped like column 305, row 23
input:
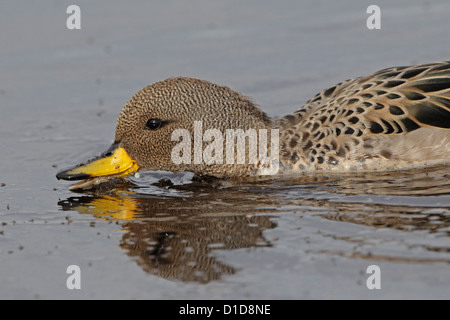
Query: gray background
column 61, row 91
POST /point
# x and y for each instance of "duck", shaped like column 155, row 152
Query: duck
column 395, row 119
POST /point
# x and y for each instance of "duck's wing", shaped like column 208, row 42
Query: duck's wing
column 392, row 101
column 370, row 117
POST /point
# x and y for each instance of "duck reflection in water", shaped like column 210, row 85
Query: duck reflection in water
column 175, row 231
column 175, row 237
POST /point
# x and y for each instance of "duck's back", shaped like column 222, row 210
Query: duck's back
column 394, row 119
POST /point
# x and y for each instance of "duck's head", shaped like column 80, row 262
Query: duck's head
column 159, row 123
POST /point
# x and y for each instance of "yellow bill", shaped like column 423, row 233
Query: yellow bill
column 112, row 164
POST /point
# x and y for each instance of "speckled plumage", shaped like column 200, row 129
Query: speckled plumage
column 397, row 118
column 179, row 102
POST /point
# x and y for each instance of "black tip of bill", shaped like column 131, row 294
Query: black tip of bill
column 67, row 175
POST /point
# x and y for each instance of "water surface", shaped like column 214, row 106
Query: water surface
column 286, row 238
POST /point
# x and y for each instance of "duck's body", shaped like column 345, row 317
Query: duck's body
column 397, row 118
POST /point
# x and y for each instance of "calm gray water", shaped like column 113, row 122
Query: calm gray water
column 305, row 238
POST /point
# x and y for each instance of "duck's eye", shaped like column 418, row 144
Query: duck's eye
column 153, row 124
